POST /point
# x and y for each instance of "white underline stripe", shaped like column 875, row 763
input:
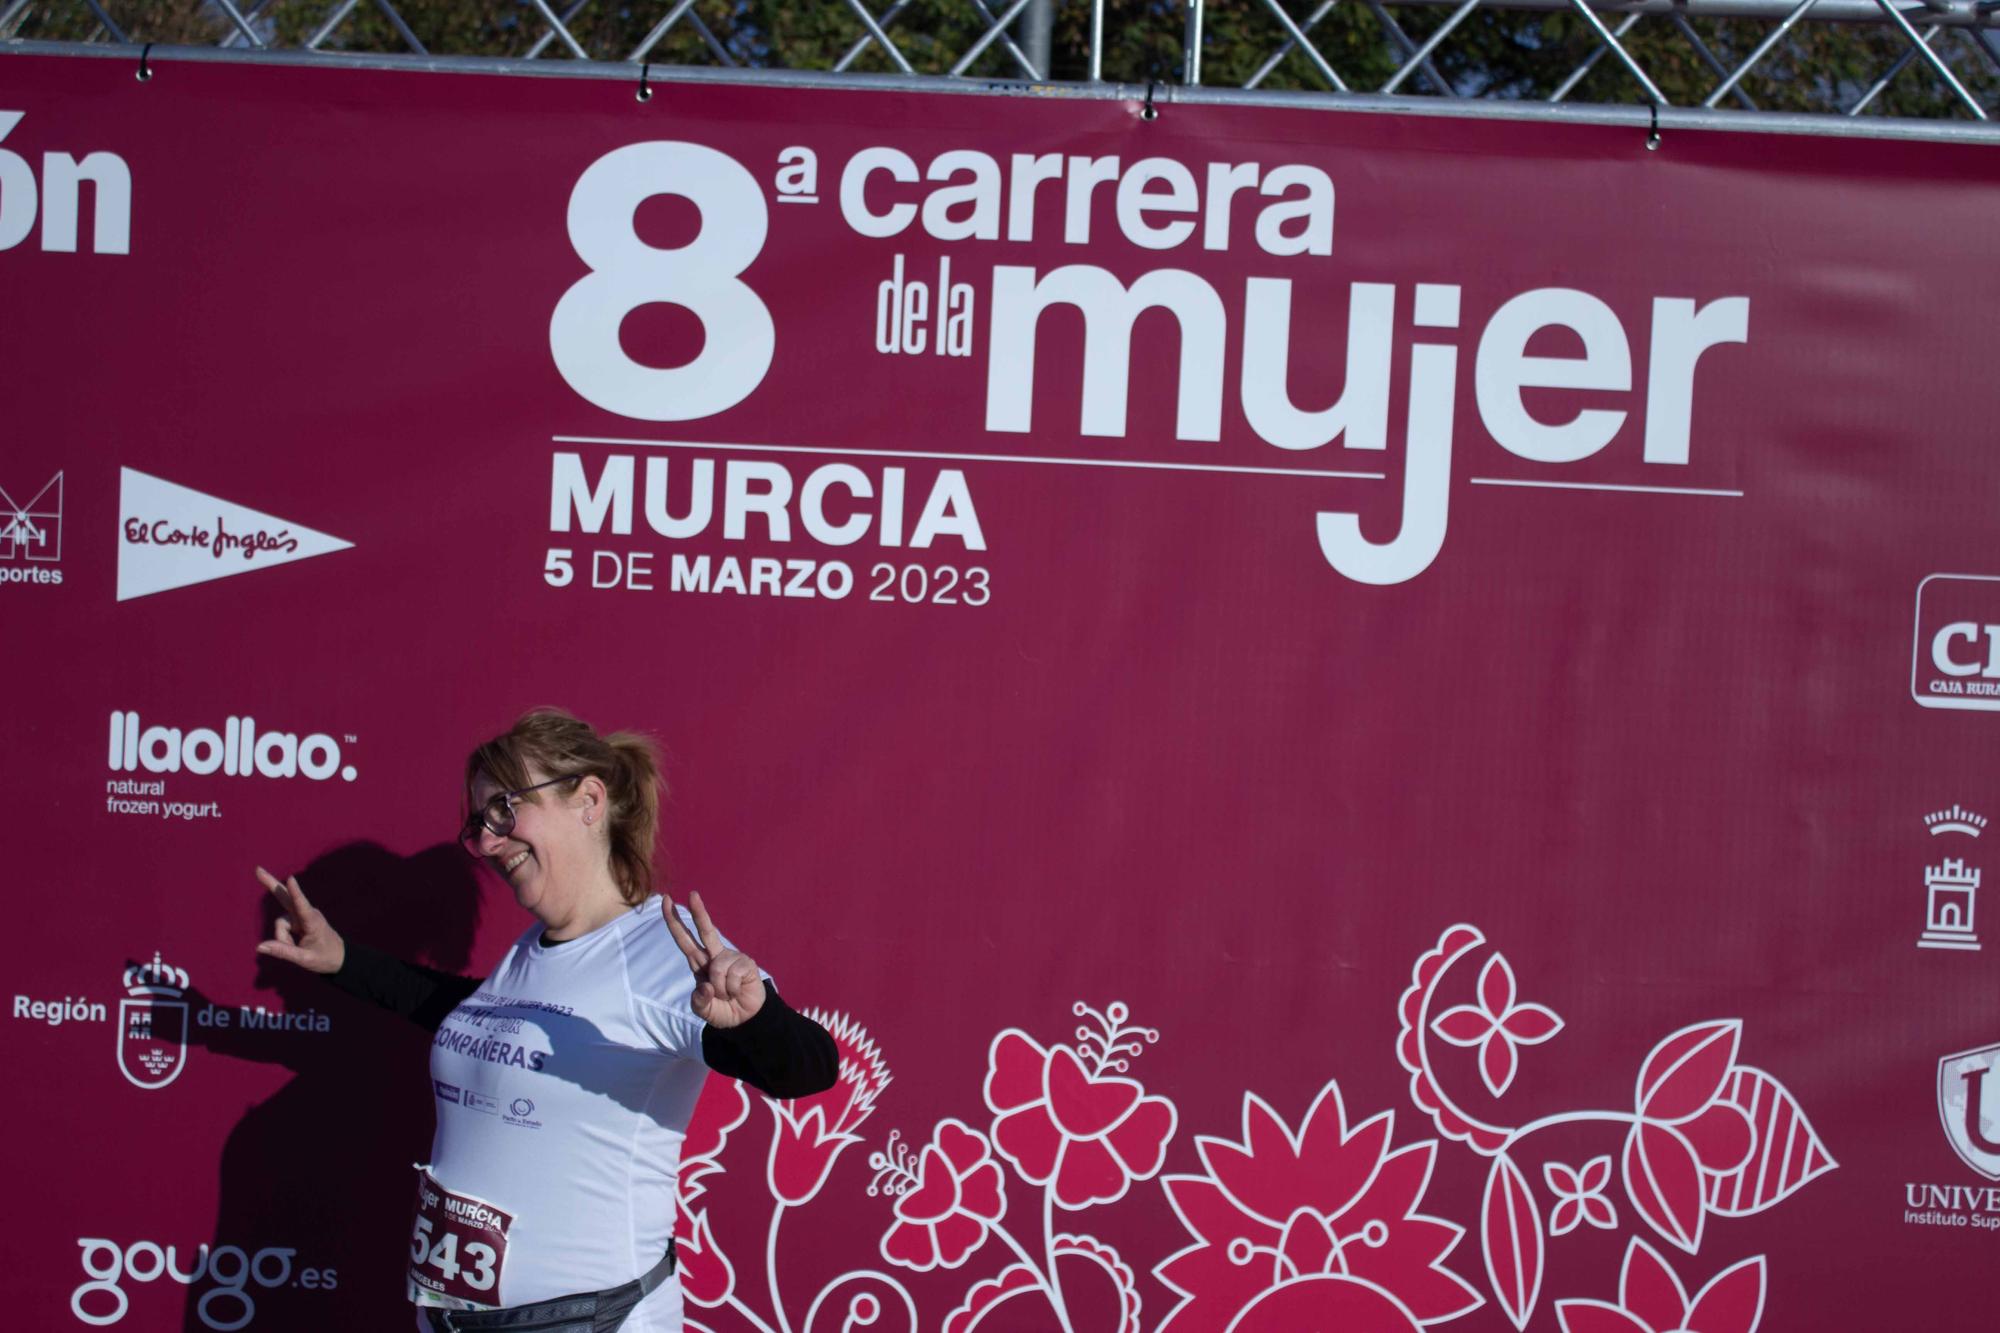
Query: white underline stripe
column 970, row 458
column 1601, row 486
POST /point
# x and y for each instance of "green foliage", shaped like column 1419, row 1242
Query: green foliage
column 1513, row 54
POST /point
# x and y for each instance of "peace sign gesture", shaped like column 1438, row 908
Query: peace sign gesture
column 301, row 934
column 728, row 990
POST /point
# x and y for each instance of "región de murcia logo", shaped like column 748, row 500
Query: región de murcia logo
column 153, row 1024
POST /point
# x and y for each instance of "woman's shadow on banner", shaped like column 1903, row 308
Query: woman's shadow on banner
column 321, row 1167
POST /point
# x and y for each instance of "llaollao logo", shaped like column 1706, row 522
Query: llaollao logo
column 236, row 749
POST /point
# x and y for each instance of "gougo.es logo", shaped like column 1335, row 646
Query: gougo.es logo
column 226, row 1305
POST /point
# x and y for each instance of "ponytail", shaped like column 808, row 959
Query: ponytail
column 627, row 763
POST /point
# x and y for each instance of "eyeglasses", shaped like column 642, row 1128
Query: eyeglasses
column 497, row 815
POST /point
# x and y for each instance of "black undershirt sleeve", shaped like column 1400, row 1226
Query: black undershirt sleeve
column 421, row 994
column 779, row 1052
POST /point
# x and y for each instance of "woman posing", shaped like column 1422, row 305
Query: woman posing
column 565, row 1080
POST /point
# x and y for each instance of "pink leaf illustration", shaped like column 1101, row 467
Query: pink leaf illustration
column 1532, row 1024
column 1650, row 1289
column 1720, row 1135
column 1496, row 986
column 1687, row 1069
column 1733, row 1300
column 1497, row 1064
column 1463, row 1025
column 1663, row 1180
column 1596, row 1317
column 1510, row 1229
column 1784, row 1152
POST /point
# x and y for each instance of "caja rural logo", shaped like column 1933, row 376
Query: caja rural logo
column 1955, row 656
column 1123, row 211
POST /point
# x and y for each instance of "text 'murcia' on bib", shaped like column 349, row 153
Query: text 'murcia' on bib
column 458, row 1247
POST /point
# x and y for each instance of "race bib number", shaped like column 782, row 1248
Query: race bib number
column 458, row 1247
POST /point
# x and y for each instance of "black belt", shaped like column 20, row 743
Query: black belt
column 588, row 1312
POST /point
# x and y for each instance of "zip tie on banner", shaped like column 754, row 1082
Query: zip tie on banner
column 145, row 71
column 645, row 93
column 1653, row 135
column 1149, row 111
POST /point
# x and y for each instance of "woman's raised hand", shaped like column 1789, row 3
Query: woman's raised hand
column 727, row 987
column 301, row 934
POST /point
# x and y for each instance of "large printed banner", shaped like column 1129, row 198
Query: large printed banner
column 1356, row 722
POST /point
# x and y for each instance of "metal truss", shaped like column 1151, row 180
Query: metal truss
column 1930, row 68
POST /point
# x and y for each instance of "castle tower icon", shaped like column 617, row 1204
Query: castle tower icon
column 1952, row 888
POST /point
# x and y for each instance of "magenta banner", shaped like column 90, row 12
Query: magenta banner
column 1354, row 721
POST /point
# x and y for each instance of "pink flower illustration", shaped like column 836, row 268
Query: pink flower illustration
column 1686, row 1132
column 811, row 1132
column 1580, row 1195
column 1090, row 1133
column 707, row 1278
column 1097, row 1252
column 722, row 1107
column 1496, row 1025
column 706, row 1274
column 1651, row 1299
column 1426, row 976
column 1314, row 1229
column 1018, row 1280
column 947, row 1199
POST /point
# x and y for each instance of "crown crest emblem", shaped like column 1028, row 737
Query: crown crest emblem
column 156, row 978
column 1955, row 820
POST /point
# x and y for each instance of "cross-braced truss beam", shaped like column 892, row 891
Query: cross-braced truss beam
column 1911, row 60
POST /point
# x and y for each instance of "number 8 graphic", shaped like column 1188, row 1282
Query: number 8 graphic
column 703, row 277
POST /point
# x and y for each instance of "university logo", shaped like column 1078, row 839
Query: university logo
column 33, row 531
column 1955, row 659
column 153, row 1024
column 170, row 536
column 1969, row 1101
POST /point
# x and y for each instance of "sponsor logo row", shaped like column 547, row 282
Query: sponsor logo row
column 169, row 536
column 173, row 536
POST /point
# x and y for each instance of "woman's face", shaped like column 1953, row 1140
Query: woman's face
column 549, row 847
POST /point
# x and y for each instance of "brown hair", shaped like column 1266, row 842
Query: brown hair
column 627, row 763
